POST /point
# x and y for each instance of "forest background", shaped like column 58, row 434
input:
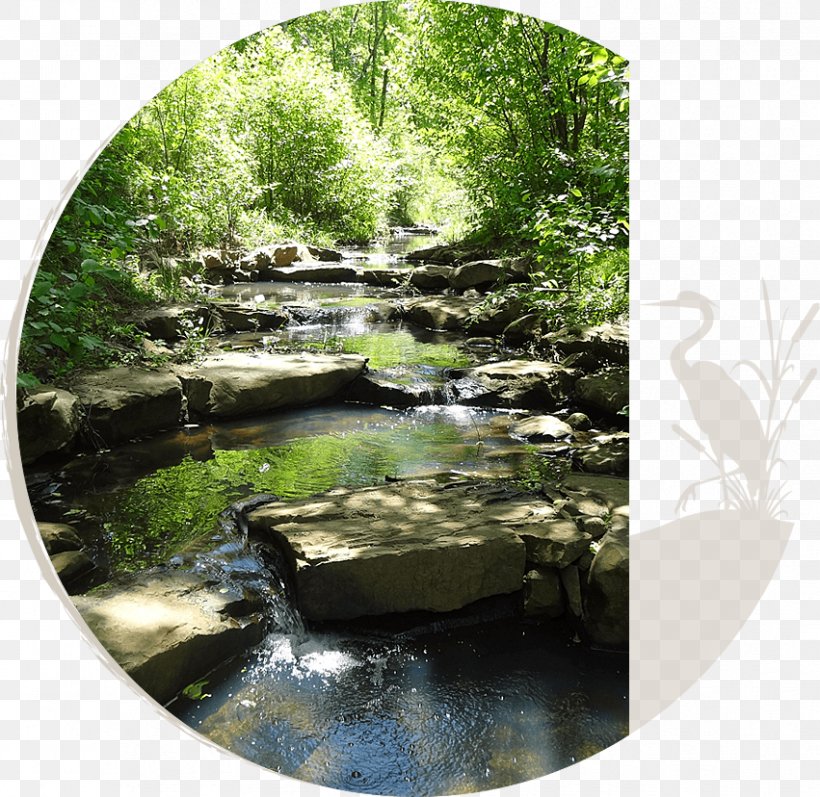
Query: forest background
column 499, row 129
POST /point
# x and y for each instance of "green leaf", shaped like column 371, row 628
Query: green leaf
column 196, row 690
column 61, row 341
column 27, row 380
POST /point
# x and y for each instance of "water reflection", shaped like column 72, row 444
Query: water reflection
column 142, row 502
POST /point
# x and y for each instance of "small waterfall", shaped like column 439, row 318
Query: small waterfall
column 251, row 566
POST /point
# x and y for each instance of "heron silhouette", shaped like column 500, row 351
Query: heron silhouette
column 722, row 410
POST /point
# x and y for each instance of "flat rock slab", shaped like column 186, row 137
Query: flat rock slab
column 414, row 545
column 236, row 383
column 166, row 630
column 318, row 273
column 556, row 543
column 123, row 403
column 598, row 495
column 234, row 317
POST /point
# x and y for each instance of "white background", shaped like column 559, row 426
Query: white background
column 726, row 191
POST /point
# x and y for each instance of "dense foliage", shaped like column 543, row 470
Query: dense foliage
column 491, row 125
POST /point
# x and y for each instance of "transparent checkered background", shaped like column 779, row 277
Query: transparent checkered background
column 725, row 191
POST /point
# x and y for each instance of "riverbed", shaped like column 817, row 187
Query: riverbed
column 416, row 705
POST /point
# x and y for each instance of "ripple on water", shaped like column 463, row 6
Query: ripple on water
column 462, row 709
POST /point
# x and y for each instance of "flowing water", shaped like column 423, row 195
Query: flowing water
column 418, row 705
column 453, row 710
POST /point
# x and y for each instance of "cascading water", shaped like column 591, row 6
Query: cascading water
column 254, row 567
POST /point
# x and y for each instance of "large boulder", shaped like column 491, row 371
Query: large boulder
column 542, row 428
column 495, row 318
column 406, row 546
column 606, row 453
column 439, row 312
column 520, row 384
column 168, row 629
column 234, row 317
column 556, row 542
column 48, row 420
column 605, row 342
column 477, row 274
column 59, row 537
column 429, row 278
column 598, row 495
column 214, row 263
column 71, row 565
column 607, row 390
column 237, row 383
column 123, row 403
column 449, row 254
column 607, row 596
column 170, row 323
column 523, row 330
column 276, row 255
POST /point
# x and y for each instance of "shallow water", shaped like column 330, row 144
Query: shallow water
column 462, row 709
column 140, row 503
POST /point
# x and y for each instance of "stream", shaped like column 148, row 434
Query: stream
column 423, row 705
